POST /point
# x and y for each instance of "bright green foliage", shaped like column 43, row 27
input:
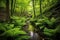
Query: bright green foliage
column 47, row 25
column 14, row 32
column 31, row 28
column 47, row 4
column 49, row 32
column 14, row 28
column 18, row 21
column 52, row 32
column 5, row 26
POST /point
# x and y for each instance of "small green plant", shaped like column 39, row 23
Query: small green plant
column 45, row 25
column 14, row 29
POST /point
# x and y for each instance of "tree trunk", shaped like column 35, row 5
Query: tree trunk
column 33, row 2
column 13, row 3
column 7, row 10
column 11, row 7
column 40, row 10
column 14, row 6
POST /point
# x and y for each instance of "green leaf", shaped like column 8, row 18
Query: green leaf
column 49, row 32
column 14, row 32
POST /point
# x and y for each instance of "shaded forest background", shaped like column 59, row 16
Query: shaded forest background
column 19, row 17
